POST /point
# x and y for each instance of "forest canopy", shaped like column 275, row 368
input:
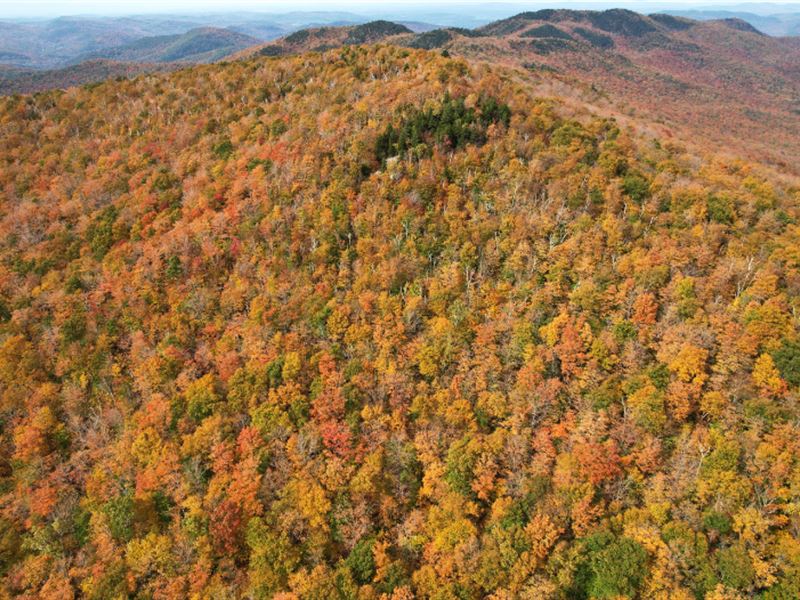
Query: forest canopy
column 242, row 354
column 451, row 124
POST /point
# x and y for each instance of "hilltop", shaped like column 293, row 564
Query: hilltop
column 380, row 323
column 717, row 81
column 322, row 38
column 720, row 80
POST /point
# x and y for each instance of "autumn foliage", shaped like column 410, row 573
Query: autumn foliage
column 251, row 345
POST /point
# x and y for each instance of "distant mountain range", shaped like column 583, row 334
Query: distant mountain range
column 149, row 54
column 63, row 41
column 783, row 24
column 201, row 45
column 54, row 43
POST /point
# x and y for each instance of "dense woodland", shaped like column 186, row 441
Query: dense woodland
column 253, row 346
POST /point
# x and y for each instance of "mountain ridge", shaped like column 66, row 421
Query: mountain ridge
column 688, row 75
column 683, row 72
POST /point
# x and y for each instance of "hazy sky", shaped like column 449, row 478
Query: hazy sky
column 21, row 8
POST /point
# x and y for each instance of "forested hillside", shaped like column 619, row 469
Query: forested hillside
column 379, row 323
column 722, row 82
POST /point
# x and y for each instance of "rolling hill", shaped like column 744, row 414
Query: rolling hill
column 776, row 24
column 375, row 314
column 200, row 45
column 146, row 55
column 322, row 38
column 721, row 80
column 54, row 43
column 26, row 81
column 380, row 323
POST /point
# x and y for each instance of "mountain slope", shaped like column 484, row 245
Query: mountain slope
column 199, row 45
column 145, row 55
column 774, row 24
column 322, row 38
column 378, row 323
column 716, row 81
column 721, row 81
column 26, row 81
column 55, row 43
